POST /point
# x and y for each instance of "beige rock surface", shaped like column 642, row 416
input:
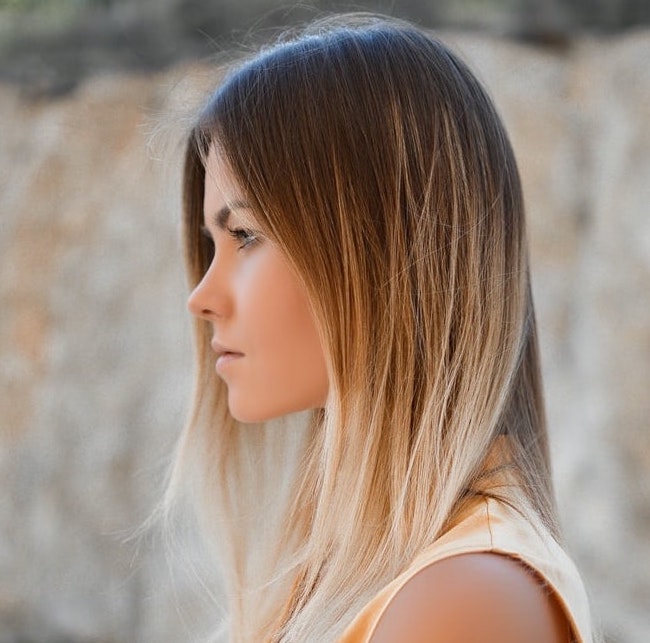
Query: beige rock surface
column 95, row 367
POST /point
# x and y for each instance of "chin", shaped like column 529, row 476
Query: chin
column 247, row 418
column 251, row 414
column 250, row 406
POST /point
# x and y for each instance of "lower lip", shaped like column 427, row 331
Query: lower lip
column 226, row 358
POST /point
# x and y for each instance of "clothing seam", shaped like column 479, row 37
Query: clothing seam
column 489, row 523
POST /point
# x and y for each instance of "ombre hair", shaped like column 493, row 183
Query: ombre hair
column 375, row 160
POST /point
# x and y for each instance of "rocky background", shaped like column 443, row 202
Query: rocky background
column 95, row 352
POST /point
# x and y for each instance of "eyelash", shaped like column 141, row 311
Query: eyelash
column 245, row 237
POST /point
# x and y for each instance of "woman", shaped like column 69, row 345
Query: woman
column 355, row 241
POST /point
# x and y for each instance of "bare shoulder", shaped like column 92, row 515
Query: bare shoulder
column 473, row 597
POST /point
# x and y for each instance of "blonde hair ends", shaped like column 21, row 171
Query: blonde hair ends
column 377, row 163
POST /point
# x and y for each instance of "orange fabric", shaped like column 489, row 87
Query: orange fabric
column 492, row 527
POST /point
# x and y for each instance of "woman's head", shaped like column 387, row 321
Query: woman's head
column 374, row 161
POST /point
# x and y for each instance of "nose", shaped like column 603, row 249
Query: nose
column 209, row 299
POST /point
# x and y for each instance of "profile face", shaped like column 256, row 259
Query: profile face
column 267, row 348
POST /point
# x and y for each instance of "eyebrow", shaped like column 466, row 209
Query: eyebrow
column 221, row 216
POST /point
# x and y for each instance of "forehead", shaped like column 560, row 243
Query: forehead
column 220, row 185
column 222, row 191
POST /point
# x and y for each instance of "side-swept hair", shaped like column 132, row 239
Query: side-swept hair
column 376, row 161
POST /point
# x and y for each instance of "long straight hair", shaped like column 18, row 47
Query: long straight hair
column 375, row 160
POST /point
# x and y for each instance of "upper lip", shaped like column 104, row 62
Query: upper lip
column 220, row 349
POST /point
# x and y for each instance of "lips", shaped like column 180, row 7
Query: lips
column 225, row 355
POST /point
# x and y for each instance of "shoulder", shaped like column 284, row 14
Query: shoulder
column 473, row 597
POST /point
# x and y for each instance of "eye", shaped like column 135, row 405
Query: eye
column 243, row 236
column 207, row 244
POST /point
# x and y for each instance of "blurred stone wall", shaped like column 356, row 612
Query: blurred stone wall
column 50, row 46
column 95, row 367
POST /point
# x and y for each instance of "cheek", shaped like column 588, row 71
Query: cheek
column 286, row 352
column 298, row 350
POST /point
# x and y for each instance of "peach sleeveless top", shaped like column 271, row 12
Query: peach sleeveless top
column 492, row 526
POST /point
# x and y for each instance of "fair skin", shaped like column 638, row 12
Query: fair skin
column 267, row 347
column 268, row 352
column 473, row 598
